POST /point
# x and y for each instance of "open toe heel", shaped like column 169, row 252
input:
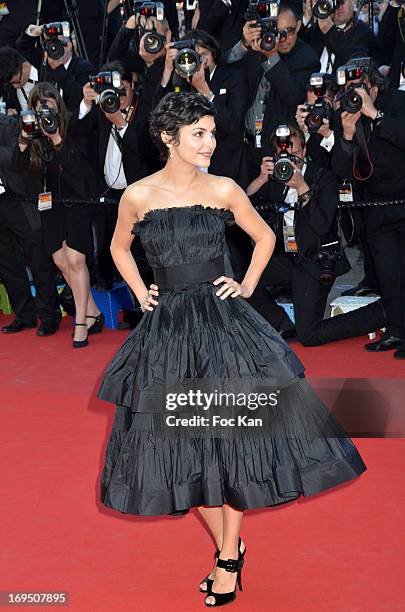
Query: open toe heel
column 230, row 565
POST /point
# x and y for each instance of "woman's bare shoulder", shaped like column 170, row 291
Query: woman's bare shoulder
column 224, row 188
column 138, row 195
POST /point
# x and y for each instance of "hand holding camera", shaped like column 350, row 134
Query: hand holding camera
column 36, row 124
column 349, row 121
column 266, row 169
column 367, row 108
column 108, row 87
column 251, row 32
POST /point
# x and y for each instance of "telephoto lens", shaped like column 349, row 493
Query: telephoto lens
column 187, row 60
column 351, row 102
column 154, row 42
column 324, row 8
column 283, row 168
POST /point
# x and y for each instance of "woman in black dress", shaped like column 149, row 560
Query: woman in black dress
column 59, row 168
column 199, row 334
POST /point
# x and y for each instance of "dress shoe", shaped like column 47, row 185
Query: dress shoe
column 47, row 328
column 400, row 353
column 386, row 343
column 17, row 326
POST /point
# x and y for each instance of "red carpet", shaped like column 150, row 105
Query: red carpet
column 339, row 551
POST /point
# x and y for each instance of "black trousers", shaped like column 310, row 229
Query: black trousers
column 21, row 244
column 104, row 222
column 388, row 251
column 310, row 299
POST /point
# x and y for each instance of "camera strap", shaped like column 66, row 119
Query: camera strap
column 361, row 139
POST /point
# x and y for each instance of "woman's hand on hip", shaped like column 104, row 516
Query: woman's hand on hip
column 231, row 288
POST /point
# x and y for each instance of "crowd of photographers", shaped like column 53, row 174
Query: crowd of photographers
column 310, row 113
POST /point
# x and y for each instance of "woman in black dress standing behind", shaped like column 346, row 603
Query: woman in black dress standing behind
column 60, row 170
column 197, row 332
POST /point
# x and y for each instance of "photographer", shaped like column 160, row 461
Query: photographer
column 115, row 119
column 315, row 119
column 21, row 244
column 277, row 78
column 338, row 34
column 370, row 150
column 68, row 72
column 128, row 47
column 307, row 254
column 18, row 77
column 225, row 88
column 57, row 169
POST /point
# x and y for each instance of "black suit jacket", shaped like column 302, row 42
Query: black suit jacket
column 315, row 224
column 71, row 80
column 358, row 40
column 230, row 106
column 139, row 156
column 386, row 146
column 391, row 43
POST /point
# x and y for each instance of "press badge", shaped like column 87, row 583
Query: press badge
column 45, row 201
column 345, row 192
column 258, row 131
column 290, row 244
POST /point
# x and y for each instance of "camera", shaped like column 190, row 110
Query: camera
column 150, row 9
column 265, row 14
column 110, row 87
column 48, row 118
column 283, row 168
column 320, row 110
column 324, row 8
column 328, row 256
column 187, row 60
column 357, row 70
column 55, row 47
column 35, row 123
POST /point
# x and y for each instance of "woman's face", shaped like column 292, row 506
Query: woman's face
column 196, row 142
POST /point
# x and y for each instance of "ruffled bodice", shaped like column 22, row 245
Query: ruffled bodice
column 183, row 234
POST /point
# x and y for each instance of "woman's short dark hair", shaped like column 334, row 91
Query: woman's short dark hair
column 173, row 112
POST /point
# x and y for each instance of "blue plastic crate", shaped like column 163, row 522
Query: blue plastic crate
column 289, row 308
column 111, row 302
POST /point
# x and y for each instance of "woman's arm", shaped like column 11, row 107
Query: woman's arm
column 122, row 240
column 262, row 235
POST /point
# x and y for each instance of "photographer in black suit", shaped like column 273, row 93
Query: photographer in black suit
column 123, row 154
column 370, row 149
column 307, row 253
column 337, row 37
column 277, row 80
column 391, row 38
column 21, row 244
column 69, row 73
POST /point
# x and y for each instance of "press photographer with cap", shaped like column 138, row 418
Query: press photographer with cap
column 308, row 255
column 370, row 149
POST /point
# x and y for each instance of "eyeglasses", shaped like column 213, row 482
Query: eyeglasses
column 290, row 31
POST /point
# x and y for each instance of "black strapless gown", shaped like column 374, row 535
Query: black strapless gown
column 193, row 335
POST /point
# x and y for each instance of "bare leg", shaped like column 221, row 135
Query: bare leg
column 213, row 516
column 91, row 311
column 80, row 285
column 225, row 581
column 59, row 257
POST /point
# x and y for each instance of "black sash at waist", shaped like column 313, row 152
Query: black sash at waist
column 188, row 275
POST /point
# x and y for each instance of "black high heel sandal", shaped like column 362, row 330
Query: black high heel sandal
column 210, row 581
column 98, row 324
column 80, row 343
column 230, row 565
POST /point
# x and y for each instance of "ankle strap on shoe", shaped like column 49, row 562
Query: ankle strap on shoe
column 230, row 565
